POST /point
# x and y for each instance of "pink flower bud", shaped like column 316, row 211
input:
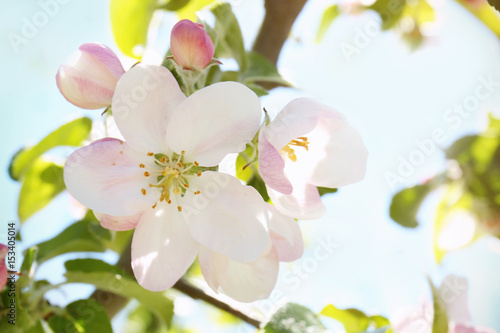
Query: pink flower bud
column 89, row 77
column 191, row 45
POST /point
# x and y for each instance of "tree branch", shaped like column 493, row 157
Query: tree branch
column 275, row 29
column 196, row 293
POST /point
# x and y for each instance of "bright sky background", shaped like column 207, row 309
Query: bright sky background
column 391, row 95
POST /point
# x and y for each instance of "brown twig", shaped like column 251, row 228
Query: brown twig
column 275, row 29
column 196, row 293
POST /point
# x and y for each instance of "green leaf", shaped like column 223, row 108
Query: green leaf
column 141, row 319
column 78, row 237
column 173, row 5
column 43, row 182
column 28, row 267
column 189, row 11
column 81, row 272
column 329, row 15
column 229, row 41
column 261, row 70
column 460, row 146
column 245, row 166
column 90, row 265
column 354, row 321
column 325, row 190
column 70, row 134
column 85, row 315
column 390, row 11
column 406, row 203
column 130, row 22
column 294, row 318
column 440, row 321
column 455, row 201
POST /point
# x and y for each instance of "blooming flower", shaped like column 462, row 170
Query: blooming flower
column 308, row 145
column 191, row 45
column 162, row 181
column 3, row 268
column 89, row 77
column 453, row 294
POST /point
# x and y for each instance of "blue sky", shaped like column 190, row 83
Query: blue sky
column 391, row 95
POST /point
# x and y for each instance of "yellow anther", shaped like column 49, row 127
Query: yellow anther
column 183, row 152
column 142, row 166
column 143, row 190
column 179, row 208
column 186, row 185
column 155, row 205
column 163, row 159
column 150, row 154
column 196, row 163
column 199, row 174
column 179, row 165
column 146, row 174
column 177, row 190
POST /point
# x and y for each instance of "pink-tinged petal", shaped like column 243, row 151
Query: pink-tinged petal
column 453, row 292
column 339, row 153
column 118, row 223
column 466, row 328
column 209, row 271
column 3, row 268
column 243, row 282
column 144, row 100
column 103, row 54
column 191, row 45
column 162, row 248
column 105, row 176
column 89, row 76
column 296, row 119
column 304, row 203
column 82, row 91
column 285, row 235
column 272, row 166
column 215, row 121
column 226, row 217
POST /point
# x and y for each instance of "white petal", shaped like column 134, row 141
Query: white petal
column 227, row 217
column 272, row 166
column 286, row 235
column 339, row 153
column 453, row 292
column 162, row 248
column 296, row 119
column 144, row 100
column 215, row 121
column 118, row 223
column 304, row 203
column 243, row 282
column 105, row 176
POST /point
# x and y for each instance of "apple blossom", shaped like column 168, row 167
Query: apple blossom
column 191, row 45
column 308, row 145
column 247, row 282
column 89, row 77
column 453, row 295
column 3, row 268
column 162, row 179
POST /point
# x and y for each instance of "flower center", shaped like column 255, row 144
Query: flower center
column 171, row 176
column 301, row 141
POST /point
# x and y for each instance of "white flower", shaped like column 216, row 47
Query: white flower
column 308, row 145
column 162, row 179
